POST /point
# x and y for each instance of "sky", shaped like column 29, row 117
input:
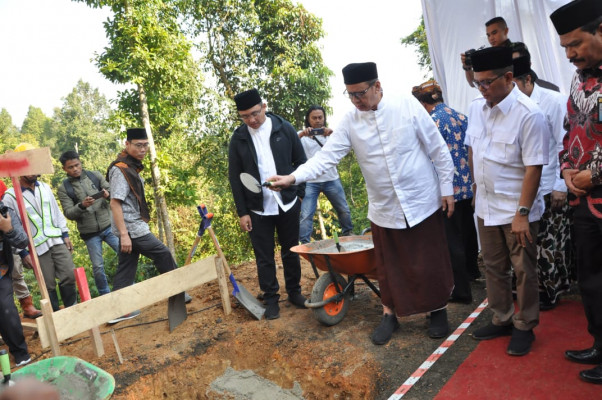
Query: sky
column 48, row 45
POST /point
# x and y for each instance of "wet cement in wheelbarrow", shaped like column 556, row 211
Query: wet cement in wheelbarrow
column 345, row 247
column 338, row 362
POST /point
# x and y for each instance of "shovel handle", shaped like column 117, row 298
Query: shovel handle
column 219, row 250
column 193, row 250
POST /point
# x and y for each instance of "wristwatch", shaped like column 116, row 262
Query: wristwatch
column 522, row 210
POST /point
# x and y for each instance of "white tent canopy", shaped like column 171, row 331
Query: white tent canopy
column 452, row 27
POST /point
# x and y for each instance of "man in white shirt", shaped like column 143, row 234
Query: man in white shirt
column 264, row 145
column 408, row 172
column 313, row 138
column 554, row 254
column 508, row 139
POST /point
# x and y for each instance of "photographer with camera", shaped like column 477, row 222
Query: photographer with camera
column 84, row 196
column 497, row 35
column 11, row 234
column 313, row 137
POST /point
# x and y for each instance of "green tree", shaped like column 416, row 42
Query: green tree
column 9, row 134
column 82, row 123
column 418, row 39
column 37, row 125
column 271, row 45
column 148, row 50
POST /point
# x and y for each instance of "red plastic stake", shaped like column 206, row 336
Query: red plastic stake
column 82, row 284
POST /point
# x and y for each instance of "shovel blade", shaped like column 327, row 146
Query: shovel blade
column 248, row 301
column 176, row 311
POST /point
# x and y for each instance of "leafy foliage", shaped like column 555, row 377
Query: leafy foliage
column 418, row 39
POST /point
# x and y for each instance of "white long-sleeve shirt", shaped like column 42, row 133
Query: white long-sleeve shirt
column 58, row 219
column 553, row 105
column 394, row 146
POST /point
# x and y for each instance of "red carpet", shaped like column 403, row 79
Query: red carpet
column 489, row 373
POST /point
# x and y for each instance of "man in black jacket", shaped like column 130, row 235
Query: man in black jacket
column 263, row 146
column 11, row 234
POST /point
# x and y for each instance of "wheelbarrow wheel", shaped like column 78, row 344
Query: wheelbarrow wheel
column 324, row 288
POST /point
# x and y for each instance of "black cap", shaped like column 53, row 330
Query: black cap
column 359, row 72
column 522, row 66
column 247, row 99
column 136, row 133
column 491, row 58
column 575, row 15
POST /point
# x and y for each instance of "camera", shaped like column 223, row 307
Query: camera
column 468, row 57
column 4, row 210
column 316, row 131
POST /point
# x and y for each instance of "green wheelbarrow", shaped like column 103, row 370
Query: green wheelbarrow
column 73, row 377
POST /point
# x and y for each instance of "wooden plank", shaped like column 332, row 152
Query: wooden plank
column 29, row 162
column 223, row 285
column 31, row 326
column 48, row 322
column 81, row 317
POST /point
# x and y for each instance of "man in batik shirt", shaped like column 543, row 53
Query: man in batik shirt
column 460, row 228
column 579, row 25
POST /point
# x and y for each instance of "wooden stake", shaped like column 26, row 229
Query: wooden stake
column 223, row 285
column 84, row 294
column 116, row 346
column 50, row 329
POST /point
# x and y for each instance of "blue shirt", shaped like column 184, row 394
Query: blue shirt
column 452, row 126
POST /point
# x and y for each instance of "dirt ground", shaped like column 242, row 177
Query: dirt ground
column 338, row 362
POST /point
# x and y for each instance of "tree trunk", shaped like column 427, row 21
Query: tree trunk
column 156, row 175
column 322, row 228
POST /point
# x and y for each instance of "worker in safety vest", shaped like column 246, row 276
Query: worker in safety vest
column 50, row 236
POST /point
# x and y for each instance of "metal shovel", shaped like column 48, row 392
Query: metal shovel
column 241, row 294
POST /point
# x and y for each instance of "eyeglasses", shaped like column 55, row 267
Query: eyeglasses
column 254, row 114
column 485, row 83
column 140, row 145
column 358, row 95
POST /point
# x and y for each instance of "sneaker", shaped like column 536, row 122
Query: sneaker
column 187, row 298
column 297, row 299
column 520, row 343
column 438, row 327
column 272, row 311
column 124, row 317
column 383, row 332
column 492, row 331
column 24, row 361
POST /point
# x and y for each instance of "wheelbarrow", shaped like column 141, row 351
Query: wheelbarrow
column 332, row 293
column 74, row 378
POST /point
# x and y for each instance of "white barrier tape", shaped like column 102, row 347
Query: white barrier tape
column 430, row 361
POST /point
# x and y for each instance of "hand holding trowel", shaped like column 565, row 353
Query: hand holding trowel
column 241, row 294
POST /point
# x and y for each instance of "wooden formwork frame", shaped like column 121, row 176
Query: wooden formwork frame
column 85, row 316
column 54, row 327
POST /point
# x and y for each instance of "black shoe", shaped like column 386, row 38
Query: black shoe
column 592, row 375
column 297, row 299
column 461, row 300
column 492, row 331
column 592, row 355
column 272, row 311
column 520, row 343
column 383, row 332
column 438, row 327
column 546, row 303
column 22, row 360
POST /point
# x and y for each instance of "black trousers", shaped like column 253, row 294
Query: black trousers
column 588, row 245
column 149, row 246
column 286, row 224
column 10, row 323
column 463, row 247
